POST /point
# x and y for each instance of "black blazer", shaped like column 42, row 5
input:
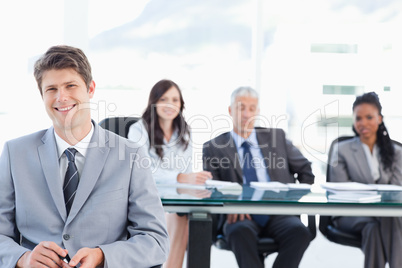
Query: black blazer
column 281, row 157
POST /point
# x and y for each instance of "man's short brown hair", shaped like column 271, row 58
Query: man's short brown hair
column 63, row 57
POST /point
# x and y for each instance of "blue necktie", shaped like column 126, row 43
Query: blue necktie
column 248, row 169
column 250, row 175
column 71, row 179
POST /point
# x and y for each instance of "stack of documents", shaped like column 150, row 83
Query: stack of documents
column 352, row 192
column 347, row 186
column 355, row 186
column 353, row 197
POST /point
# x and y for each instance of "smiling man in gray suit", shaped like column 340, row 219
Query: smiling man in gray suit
column 113, row 218
column 249, row 153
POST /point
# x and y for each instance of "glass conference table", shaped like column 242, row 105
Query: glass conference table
column 202, row 201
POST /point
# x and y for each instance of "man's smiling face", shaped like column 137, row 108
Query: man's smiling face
column 66, row 100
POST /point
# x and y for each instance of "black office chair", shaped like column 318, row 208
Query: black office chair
column 266, row 245
column 118, row 125
column 326, row 225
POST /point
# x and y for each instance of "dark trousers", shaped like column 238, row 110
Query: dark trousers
column 381, row 239
column 289, row 232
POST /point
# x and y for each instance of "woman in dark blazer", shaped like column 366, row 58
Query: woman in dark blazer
column 373, row 158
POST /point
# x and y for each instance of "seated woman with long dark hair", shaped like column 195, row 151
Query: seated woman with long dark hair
column 371, row 157
column 167, row 136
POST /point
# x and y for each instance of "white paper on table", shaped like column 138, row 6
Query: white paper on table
column 181, row 185
column 270, row 185
column 299, row 186
column 223, row 184
column 348, row 186
column 370, row 192
column 354, row 197
column 387, row 187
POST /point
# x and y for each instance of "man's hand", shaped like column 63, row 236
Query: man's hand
column 45, row 254
column 88, row 257
column 232, row 218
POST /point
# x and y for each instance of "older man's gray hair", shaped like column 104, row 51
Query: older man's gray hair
column 243, row 91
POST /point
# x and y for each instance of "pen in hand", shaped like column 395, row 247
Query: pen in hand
column 66, row 259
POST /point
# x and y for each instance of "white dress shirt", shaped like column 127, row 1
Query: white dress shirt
column 175, row 158
column 372, row 160
column 81, row 148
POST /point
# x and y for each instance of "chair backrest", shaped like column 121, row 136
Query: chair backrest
column 326, row 221
column 331, row 149
column 397, row 143
column 326, row 225
column 118, row 125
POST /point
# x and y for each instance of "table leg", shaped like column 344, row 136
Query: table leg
column 199, row 241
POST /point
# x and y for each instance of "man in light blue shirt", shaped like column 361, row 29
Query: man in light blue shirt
column 259, row 164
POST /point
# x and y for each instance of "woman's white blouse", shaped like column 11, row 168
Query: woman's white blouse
column 373, row 160
column 175, row 158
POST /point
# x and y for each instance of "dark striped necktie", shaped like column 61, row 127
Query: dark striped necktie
column 71, row 179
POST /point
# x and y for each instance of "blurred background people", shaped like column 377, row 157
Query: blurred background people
column 373, row 158
column 248, row 154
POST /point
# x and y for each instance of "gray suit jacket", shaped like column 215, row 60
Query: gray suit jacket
column 116, row 208
column 348, row 162
column 282, row 158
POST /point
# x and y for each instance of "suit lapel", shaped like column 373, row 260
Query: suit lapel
column 50, row 165
column 94, row 162
column 229, row 149
column 263, row 142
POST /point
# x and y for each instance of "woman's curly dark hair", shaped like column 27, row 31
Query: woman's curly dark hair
column 384, row 142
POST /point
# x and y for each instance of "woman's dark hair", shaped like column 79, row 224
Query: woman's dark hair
column 151, row 118
column 384, row 142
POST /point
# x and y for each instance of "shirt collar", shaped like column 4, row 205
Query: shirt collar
column 252, row 139
column 367, row 149
column 174, row 140
column 81, row 146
